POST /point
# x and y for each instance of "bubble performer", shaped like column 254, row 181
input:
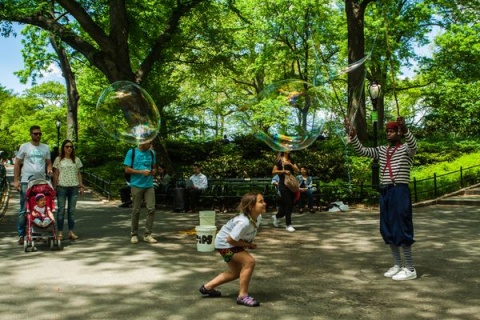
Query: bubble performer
column 396, row 223
column 236, row 235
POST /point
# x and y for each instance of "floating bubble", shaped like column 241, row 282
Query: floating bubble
column 290, row 115
column 127, row 112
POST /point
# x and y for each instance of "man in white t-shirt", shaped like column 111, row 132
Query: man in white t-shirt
column 35, row 157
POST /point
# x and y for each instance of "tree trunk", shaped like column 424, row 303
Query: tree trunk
column 355, row 11
column 72, row 93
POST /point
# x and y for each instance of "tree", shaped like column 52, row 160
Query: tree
column 355, row 11
column 108, row 35
column 37, row 59
column 39, row 105
column 452, row 97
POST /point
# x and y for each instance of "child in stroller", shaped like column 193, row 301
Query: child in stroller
column 40, row 205
column 42, row 215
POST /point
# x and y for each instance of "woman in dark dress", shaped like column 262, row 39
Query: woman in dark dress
column 284, row 165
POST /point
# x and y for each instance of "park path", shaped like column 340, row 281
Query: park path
column 331, row 268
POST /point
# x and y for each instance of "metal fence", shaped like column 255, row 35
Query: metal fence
column 4, row 191
column 438, row 185
column 97, row 183
column 424, row 189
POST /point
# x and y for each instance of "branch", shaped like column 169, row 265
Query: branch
column 86, row 22
column 158, row 48
column 59, row 30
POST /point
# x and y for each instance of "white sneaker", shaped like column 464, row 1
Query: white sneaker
column 392, row 271
column 405, row 274
column 134, row 239
column 275, row 221
column 150, row 239
column 289, row 228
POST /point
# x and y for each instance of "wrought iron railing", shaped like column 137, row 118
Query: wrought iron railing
column 4, row 191
column 424, row 189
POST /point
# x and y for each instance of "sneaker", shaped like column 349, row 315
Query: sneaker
column 20, row 240
column 405, row 274
column 247, row 301
column 134, row 239
column 150, row 239
column 290, row 228
column 211, row 293
column 392, row 271
column 275, row 221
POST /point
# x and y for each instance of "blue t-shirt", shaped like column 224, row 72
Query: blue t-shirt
column 142, row 161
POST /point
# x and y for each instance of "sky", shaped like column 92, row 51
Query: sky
column 11, row 60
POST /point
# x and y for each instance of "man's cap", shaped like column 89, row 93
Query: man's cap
column 392, row 125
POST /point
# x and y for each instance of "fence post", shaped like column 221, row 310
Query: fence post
column 461, row 177
column 415, row 189
column 435, row 184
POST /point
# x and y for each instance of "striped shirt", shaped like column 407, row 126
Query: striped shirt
column 401, row 159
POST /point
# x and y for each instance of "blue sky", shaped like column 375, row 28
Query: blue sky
column 11, row 60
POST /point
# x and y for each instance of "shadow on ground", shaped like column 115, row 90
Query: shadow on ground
column 331, row 268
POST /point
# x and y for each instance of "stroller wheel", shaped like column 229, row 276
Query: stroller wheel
column 25, row 246
column 51, row 243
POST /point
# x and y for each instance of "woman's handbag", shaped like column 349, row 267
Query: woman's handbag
column 291, row 183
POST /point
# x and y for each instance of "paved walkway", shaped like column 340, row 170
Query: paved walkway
column 331, row 268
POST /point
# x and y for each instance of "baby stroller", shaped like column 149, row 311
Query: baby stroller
column 35, row 233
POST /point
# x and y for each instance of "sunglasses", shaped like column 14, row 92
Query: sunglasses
column 37, row 133
column 69, row 147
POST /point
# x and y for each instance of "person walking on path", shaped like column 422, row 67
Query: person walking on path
column 236, row 235
column 396, row 223
column 284, row 165
column 31, row 162
column 67, row 181
column 140, row 164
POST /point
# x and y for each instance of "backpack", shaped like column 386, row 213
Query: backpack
column 128, row 175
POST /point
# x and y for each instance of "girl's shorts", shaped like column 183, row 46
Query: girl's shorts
column 227, row 254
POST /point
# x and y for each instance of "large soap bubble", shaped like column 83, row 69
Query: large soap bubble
column 127, row 112
column 289, row 115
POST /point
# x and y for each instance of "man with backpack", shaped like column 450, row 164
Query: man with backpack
column 140, row 168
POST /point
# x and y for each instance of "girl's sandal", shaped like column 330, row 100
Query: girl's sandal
column 247, row 301
column 211, row 293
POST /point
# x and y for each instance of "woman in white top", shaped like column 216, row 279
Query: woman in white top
column 236, row 235
column 67, row 180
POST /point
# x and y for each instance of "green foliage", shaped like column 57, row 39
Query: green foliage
column 439, row 168
column 434, row 151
